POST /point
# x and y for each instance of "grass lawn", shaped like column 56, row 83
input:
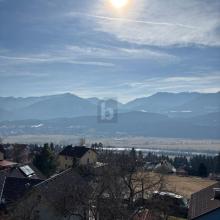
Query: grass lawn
column 186, row 185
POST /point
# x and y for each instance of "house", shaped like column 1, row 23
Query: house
column 15, row 182
column 60, row 197
column 173, row 204
column 4, row 164
column 214, row 176
column 20, row 153
column 14, row 188
column 7, row 149
column 149, row 166
column 181, row 171
column 81, row 155
column 15, row 152
column 22, row 171
column 205, row 204
column 165, row 167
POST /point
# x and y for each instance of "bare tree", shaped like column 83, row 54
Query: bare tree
column 123, row 187
column 20, row 153
column 25, row 209
column 1, row 140
column 117, row 191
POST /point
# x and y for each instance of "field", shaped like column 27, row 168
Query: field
column 186, row 185
column 123, row 142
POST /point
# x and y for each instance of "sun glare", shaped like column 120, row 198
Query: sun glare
column 119, row 3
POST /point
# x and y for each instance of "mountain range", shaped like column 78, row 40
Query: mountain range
column 69, row 105
column 183, row 115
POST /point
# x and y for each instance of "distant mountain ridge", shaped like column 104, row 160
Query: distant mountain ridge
column 178, row 104
column 184, row 104
column 46, row 107
column 163, row 100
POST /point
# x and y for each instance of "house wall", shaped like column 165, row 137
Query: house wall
column 90, row 157
column 64, row 162
column 214, row 215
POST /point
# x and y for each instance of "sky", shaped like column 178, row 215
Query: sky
column 92, row 48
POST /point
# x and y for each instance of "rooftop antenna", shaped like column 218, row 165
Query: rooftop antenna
column 82, row 142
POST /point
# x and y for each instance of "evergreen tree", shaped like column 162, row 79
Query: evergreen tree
column 45, row 161
column 133, row 154
column 217, row 170
column 202, row 170
column 140, row 155
column 100, row 146
column 52, row 146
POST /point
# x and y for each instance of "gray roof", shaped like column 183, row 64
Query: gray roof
column 14, row 188
column 16, row 172
column 76, row 151
column 56, row 188
column 165, row 167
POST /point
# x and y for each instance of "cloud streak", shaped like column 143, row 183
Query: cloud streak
column 83, row 55
column 132, row 21
column 49, row 59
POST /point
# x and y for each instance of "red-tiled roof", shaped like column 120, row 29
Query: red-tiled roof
column 6, row 163
column 203, row 202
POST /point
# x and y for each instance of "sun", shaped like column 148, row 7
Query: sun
column 119, row 3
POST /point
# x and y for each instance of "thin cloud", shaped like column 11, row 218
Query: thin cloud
column 133, row 21
column 120, row 53
column 50, row 59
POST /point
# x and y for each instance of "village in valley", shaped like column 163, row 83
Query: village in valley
column 91, row 182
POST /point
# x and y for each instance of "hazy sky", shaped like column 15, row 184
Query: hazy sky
column 91, row 48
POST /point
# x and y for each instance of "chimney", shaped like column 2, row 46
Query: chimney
column 216, row 193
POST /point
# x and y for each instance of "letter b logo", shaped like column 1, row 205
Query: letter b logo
column 107, row 111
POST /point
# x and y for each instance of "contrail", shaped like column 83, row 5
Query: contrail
column 135, row 21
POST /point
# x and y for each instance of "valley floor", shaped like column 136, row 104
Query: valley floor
column 141, row 143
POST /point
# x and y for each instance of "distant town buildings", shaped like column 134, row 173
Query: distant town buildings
column 165, row 167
